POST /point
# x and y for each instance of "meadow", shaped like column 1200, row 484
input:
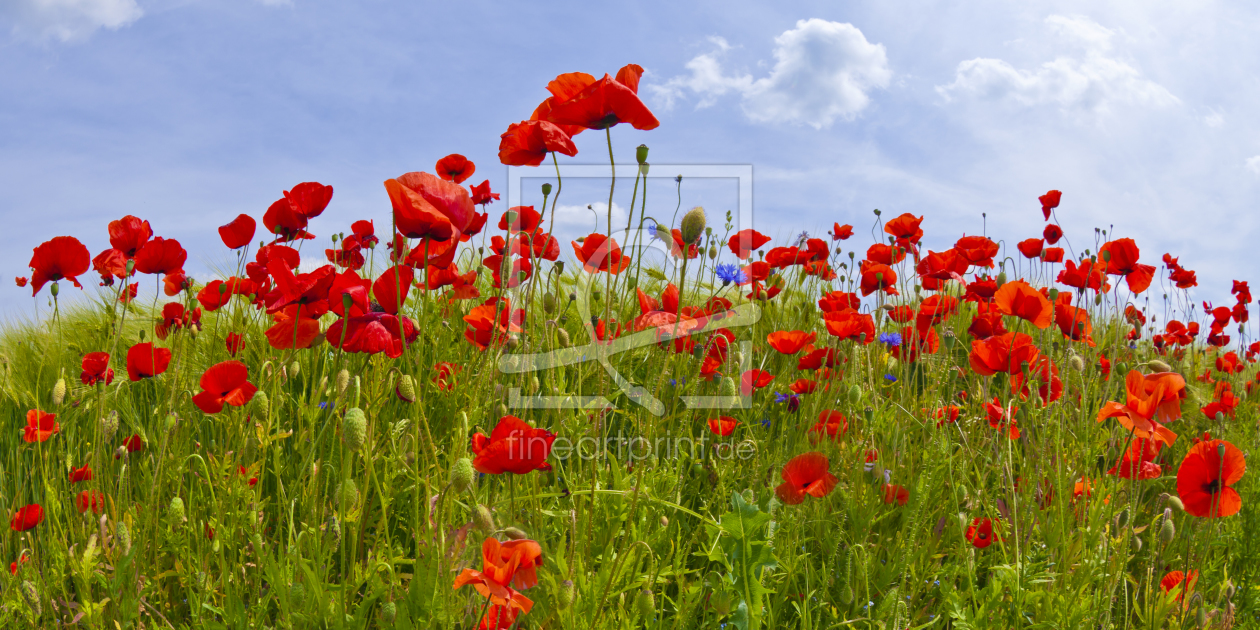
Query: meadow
column 443, row 417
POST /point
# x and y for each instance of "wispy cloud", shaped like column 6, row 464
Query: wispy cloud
column 67, row 20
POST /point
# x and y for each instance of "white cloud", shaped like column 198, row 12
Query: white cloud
column 277, row 3
column 823, row 71
column 68, row 20
column 1090, row 81
column 1253, row 164
column 1214, row 120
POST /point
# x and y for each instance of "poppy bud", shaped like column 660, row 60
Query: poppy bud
column 727, row 389
column 354, row 429
column 343, row 381
column 109, row 425
column 664, row 521
column 1175, row 503
column 1167, row 531
column 877, row 212
column 713, row 252
column 515, row 533
column 482, row 519
column 59, row 392
column 124, row 537
column 1136, row 541
column 1001, row 279
column 566, row 596
column 29, row 593
column 176, row 510
column 294, row 368
column 645, row 603
column 549, row 303
column 1098, row 299
column 389, row 612
column 461, row 475
column 260, row 405
column 406, row 389
column 632, row 283
column 347, row 493
column 855, row 394
column 643, row 169
column 1076, row 363
column 502, row 410
column 1122, row 518
column 546, row 189
column 1200, row 618
column 641, row 153
column 692, row 225
column 721, row 601
column 332, row 529
column 141, row 331
column 170, row 423
column 563, row 336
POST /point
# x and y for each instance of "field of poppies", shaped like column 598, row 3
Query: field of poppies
column 444, row 417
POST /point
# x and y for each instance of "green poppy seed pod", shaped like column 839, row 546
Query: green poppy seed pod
column 1077, row 363
column 170, row 422
column 260, row 405
column 855, row 394
column 1053, row 294
column 29, row 593
column 354, row 429
column 546, row 189
column 55, row 288
column 1098, row 300
column 343, row 382
column 632, row 283
column 515, row 533
column 389, row 612
column 644, row 168
column 1001, row 279
column 346, row 301
column 1176, row 504
column 697, row 468
column 1167, row 531
column 726, row 387
column 877, row 212
column 692, row 225
column 482, row 519
column 597, row 295
column 664, row 521
column 1122, row 519
column 175, row 511
column 1106, row 256
column 566, row 596
column 549, row 303
column 141, row 332
column 297, row 594
column 461, row 475
column 347, row 493
column 645, row 603
column 59, row 392
column 641, row 153
column 563, row 337
column 406, row 389
column 713, row 252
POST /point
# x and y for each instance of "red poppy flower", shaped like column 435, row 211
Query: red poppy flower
column 722, row 426
column 296, row 326
column 1052, row 255
column 513, row 447
column 40, row 426
column 885, row 254
column 1072, row 321
column 839, row 301
column 841, row 232
column 905, row 229
column 1002, row 353
column 224, row 383
column 81, row 474
column 980, row 533
column 62, row 257
column 494, row 579
column 91, row 500
column 444, row 376
column 161, row 255
column 287, row 218
column 1121, row 257
column 790, row 341
column 977, row 250
column 96, row 368
column 831, row 424
column 1052, row 233
column 803, row 386
column 128, row 294
column 604, row 103
column 133, row 444
column 175, row 317
column 234, row 343
column 13, row 566
column 1031, row 248
column 1153, row 401
column 1138, row 460
column 372, row 333
column 819, row 357
column 129, row 234
column 239, row 232
column 1173, row 579
column 598, row 253
column 524, row 219
column 526, row 143
column 1002, row 417
column 1088, row 275
column 805, row 474
column 914, row 341
column 481, row 194
column 877, row 277
column 491, row 322
column 753, row 380
column 1049, row 201
column 145, row 361
column 894, row 493
column 744, row 242
column 935, row 310
column 252, row 481
column 1205, row 477
column 455, row 168
column 851, row 325
column 21, row 281
column 300, row 289
column 428, row 207
column 946, row 415
column 26, row 518
column 1019, row 299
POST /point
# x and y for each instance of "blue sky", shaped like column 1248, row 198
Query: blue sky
column 189, row 112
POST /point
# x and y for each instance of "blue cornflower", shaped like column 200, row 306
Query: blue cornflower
column 728, row 273
column 323, row 405
column 890, row 378
column 892, row 340
column 804, row 236
column 780, row 398
column 653, row 230
column 765, row 422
